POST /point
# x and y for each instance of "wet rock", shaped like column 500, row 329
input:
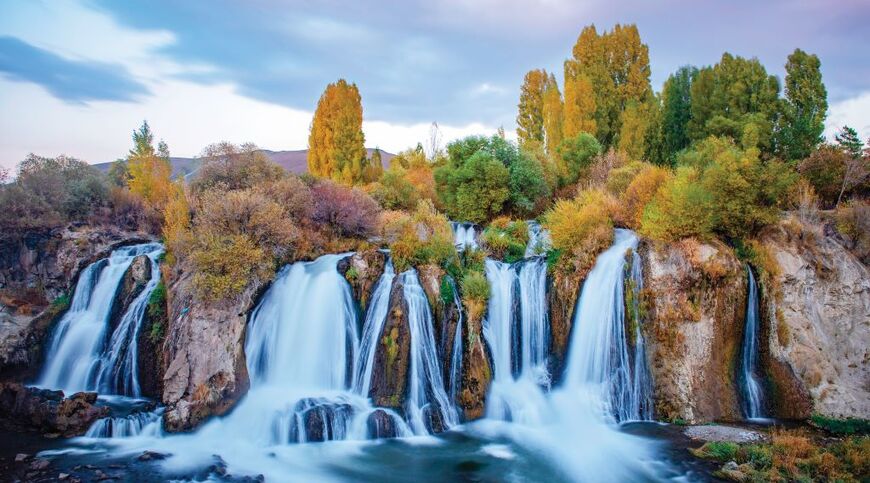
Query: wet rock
column 392, row 358
column 21, row 457
column 48, row 412
column 476, row 371
column 151, row 456
column 362, row 270
column 815, row 324
column 132, row 284
column 381, row 425
column 39, row 464
column 695, row 300
column 562, row 292
column 715, row 432
column 322, row 420
column 62, row 476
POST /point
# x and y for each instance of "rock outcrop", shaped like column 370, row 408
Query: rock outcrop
column 562, row 292
column 392, row 358
column 695, row 300
column 817, row 308
column 48, row 412
column 476, row 371
column 204, row 354
column 362, row 271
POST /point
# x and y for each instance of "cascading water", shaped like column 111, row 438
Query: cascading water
column 427, row 398
column 456, row 354
column 753, row 395
column 639, row 400
column 599, row 350
column 79, row 357
column 464, row 235
column 372, row 328
column 539, row 239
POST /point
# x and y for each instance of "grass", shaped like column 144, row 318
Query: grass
column 848, row 426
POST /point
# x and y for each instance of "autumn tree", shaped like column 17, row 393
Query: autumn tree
column 635, row 123
column 336, row 144
column 676, row 111
column 149, row 168
column 735, row 98
column 552, row 114
column 607, row 73
column 530, row 115
column 805, row 107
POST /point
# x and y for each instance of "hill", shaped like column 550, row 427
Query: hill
column 294, row 161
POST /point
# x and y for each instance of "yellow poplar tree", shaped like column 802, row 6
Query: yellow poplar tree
column 176, row 222
column 336, row 144
column 150, row 170
column 552, row 114
column 530, row 115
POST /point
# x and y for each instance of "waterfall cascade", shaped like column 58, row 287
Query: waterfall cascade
column 464, row 235
column 599, row 351
column 753, row 395
column 79, row 356
column 372, row 328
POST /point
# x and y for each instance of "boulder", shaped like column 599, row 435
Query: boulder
column 392, row 357
column 476, row 371
column 816, row 305
column 48, row 412
column 362, row 270
column 204, row 354
column 133, row 282
column 381, row 425
column 695, row 300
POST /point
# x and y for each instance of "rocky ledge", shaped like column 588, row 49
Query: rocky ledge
column 48, row 412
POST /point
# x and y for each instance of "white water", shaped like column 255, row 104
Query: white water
column 753, row 395
column 456, row 354
column 426, row 392
column 464, row 235
column 142, row 423
column 539, row 239
column 79, row 357
column 372, row 328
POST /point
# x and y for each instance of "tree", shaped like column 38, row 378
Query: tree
column 530, row 115
column 150, row 169
column 527, row 185
column 734, row 98
column 474, row 183
column 614, row 69
column 336, row 144
column 552, row 113
column 848, row 140
column 576, row 154
column 227, row 166
column 119, row 173
column 805, row 106
column 676, row 111
column 634, row 127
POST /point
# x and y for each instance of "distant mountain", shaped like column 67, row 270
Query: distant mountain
column 293, row 161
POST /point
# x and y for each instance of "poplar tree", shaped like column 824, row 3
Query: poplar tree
column 676, row 111
column 805, row 106
column 336, row 144
column 149, row 169
column 552, row 113
column 530, row 110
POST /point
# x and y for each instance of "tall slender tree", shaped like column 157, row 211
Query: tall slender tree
column 552, row 113
column 336, row 144
column 676, row 111
column 530, row 110
column 805, row 106
column 149, row 169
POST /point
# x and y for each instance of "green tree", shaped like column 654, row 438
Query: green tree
column 530, row 115
column 528, row 185
column 336, row 144
column 119, row 173
column 735, row 98
column 805, row 106
column 576, row 154
column 676, row 112
column 848, row 140
column 149, row 169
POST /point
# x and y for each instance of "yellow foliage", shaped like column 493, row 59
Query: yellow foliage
column 226, row 264
column 176, row 223
column 150, row 178
column 639, row 192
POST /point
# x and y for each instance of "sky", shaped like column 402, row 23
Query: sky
column 77, row 76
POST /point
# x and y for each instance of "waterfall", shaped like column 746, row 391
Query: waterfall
column 456, row 354
column 516, row 330
column 753, row 395
column 639, row 397
column 599, row 356
column 145, row 423
column 79, row 357
column 372, row 328
column 464, row 235
column 427, row 398
column 539, row 239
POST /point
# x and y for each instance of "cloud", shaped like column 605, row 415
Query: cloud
column 854, row 112
column 70, row 80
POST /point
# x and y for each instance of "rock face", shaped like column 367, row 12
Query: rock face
column 695, row 299
column 150, row 343
column 204, row 354
column 562, row 292
column 37, row 275
column 48, row 412
column 132, row 284
column 476, row 371
column 818, row 310
column 362, row 270
column 392, row 358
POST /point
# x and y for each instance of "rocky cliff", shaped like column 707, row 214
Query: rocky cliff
column 817, row 306
column 695, row 299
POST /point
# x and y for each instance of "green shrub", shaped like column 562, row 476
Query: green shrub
column 680, row 208
column 423, row 237
column 841, row 426
column 719, row 450
column 448, row 295
column 576, row 155
column 475, row 294
column 506, row 239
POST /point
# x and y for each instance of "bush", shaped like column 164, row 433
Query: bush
column 506, row 239
column 719, row 450
column 853, row 222
column 293, row 195
column 228, row 166
column 527, row 185
column 602, row 168
column 842, row 426
column 580, row 229
column 475, row 191
column 576, row 155
column 680, row 208
column 394, row 192
column 618, row 179
column 824, row 169
column 475, row 294
column 423, row 237
column 347, row 212
column 639, row 192
column 224, row 265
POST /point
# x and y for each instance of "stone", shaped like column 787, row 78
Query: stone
column 62, row 476
column 392, row 357
column 722, row 433
column 151, row 456
column 362, row 271
column 30, row 409
column 21, row 457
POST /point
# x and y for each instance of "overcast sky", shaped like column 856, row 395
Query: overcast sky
column 77, row 76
